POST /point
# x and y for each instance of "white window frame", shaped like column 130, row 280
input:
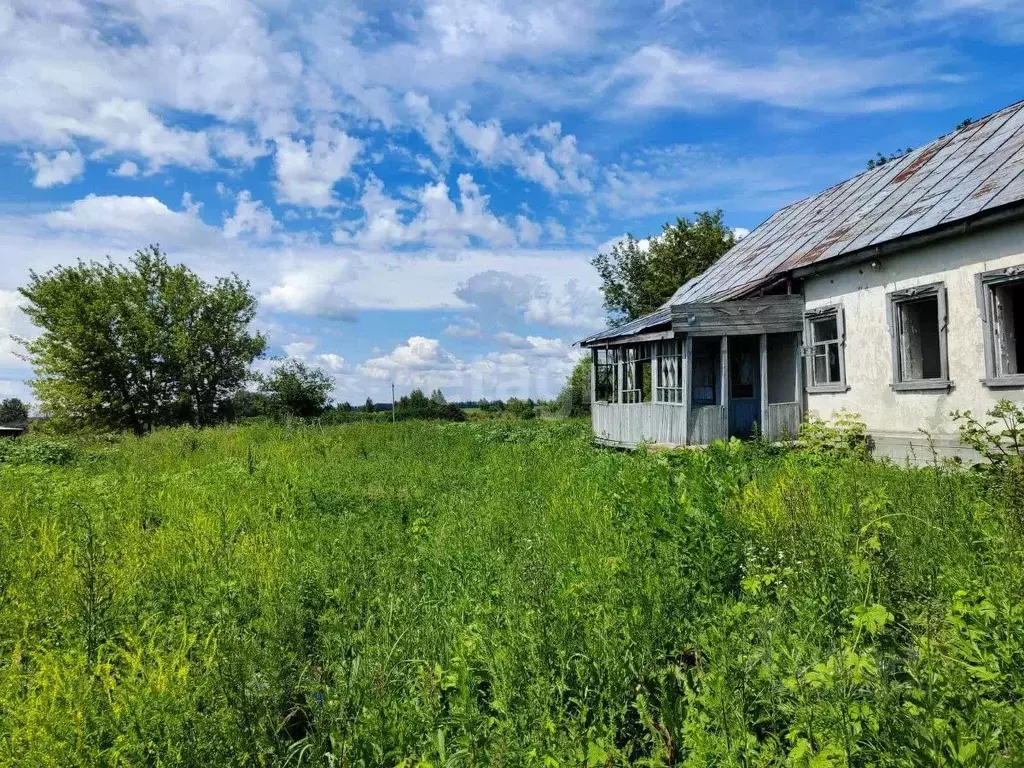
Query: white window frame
column 633, row 357
column 670, row 384
column 894, row 301
column 987, row 283
column 810, row 318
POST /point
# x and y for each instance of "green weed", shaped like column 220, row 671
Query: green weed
column 500, row 593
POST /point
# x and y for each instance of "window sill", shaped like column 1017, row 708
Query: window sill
column 830, row 389
column 922, row 385
column 1004, row 382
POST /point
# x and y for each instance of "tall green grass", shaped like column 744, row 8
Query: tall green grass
column 500, row 594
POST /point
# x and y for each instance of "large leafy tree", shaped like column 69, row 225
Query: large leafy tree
column 636, row 280
column 138, row 346
column 296, row 389
column 13, row 411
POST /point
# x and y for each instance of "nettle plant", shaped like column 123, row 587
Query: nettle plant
column 999, row 438
column 846, row 436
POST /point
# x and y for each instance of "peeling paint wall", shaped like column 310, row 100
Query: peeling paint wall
column 862, row 292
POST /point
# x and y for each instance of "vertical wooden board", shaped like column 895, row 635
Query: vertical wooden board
column 783, row 421
column 707, row 424
column 763, row 418
column 687, row 385
column 723, row 396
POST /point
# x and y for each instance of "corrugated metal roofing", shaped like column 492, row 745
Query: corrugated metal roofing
column 970, row 171
column 633, row 327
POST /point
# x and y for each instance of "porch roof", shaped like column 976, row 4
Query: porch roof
column 662, row 316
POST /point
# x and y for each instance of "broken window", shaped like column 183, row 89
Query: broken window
column 1003, row 310
column 706, row 369
column 826, row 337
column 918, row 322
column 606, row 364
column 670, row 371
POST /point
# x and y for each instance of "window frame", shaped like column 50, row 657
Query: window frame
column 894, row 300
column 671, row 368
column 987, row 282
column 810, row 317
column 611, row 362
column 633, row 357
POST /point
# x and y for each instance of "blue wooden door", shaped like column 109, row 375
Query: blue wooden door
column 744, row 385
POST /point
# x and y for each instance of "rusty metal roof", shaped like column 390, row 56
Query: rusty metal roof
column 974, row 170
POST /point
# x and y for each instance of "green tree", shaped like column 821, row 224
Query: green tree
column 636, row 281
column 520, row 409
column 137, row 346
column 574, row 399
column 368, row 406
column 13, row 411
column 417, row 405
column 246, row 404
column 296, row 389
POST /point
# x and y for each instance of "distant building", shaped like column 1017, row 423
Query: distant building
column 12, row 431
column 898, row 295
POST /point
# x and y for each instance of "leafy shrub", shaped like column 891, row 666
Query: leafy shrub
column 844, row 437
column 35, row 451
column 999, row 441
column 521, row 409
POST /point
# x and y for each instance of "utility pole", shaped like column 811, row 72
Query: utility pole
column 392, row 402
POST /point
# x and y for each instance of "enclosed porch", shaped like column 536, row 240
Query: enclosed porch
column 733, row 371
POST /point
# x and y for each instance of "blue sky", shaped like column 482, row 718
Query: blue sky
column 415, row 190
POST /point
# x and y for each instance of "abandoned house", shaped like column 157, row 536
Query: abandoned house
column 897, row 295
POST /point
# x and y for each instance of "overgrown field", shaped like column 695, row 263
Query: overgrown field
column 492, row 594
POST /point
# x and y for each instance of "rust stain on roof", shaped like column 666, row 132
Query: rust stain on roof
column 986, row 189
column 867, row 210
column 926, row 154
column 812, row 255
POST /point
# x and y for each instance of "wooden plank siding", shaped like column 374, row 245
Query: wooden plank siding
column 629, row 424
column 783, row 421
column 767, row 314
column 708, row 423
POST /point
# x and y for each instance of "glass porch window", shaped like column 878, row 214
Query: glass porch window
column 670, row 371
column 606, row 368
column 636, row 373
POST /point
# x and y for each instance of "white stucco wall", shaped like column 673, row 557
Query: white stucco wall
column 862, row 292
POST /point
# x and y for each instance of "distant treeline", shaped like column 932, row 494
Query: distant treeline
column 416, row 405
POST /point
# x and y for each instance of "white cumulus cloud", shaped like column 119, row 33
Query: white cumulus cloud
column 62, row 168
column 308, row 170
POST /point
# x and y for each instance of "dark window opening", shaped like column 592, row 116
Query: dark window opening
column 920, row 342
column 706, row 365
column 606, row 374
column 1008, row 303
